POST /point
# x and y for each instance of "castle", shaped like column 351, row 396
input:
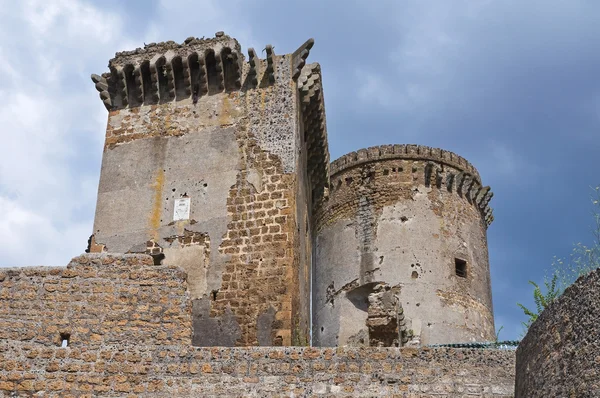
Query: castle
column 229, row 257
column 222, row 167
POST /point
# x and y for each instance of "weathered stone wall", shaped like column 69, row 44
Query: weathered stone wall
column 142, row 370
column 400, row 218
column 96, row 300
column 195, row 122
column 560, row 355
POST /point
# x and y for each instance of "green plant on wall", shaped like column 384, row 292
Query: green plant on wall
column 498, row 333
column 542, row 300
column 583, row 260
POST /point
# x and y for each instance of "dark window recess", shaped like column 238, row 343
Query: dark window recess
column 163, row 81
column 158, row 258
column 460, row 267
column 213, row 73
column 65, row 339
column 133, row 91
column 150, row 93
column 194, row 75
column 179, row 78
column 115, row 88
column 229, row 70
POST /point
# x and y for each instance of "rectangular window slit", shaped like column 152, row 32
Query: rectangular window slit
column 64, row 339
column 460, row 267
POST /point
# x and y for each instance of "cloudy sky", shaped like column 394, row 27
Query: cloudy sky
column 513, row 86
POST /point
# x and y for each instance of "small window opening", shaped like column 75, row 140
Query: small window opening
column 158, row 258
column 386, row 172
column 65, row 339
column 428, row 173
column 214, row 294
column 460, row 267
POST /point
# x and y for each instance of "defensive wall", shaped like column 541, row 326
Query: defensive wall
column 96, row 300
column 401, row 244
column 129, row 331
column 560, row 355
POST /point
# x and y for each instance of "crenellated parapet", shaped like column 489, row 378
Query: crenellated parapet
column 313, row 118
column 461, row 176
column 404, row 151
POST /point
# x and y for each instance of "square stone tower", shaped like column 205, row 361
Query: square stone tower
column 213, row 163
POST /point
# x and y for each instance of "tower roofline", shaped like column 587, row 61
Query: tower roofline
column 165, row 72
column 170, row 49
column 403, row 151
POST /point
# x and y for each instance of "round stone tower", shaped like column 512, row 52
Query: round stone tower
column 401, row 252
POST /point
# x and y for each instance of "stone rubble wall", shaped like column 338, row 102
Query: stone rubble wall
column 560, row 355
column 29, row 369
column 96, row 299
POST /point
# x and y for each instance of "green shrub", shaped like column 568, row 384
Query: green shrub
column 583, row 260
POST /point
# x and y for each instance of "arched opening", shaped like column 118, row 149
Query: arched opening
column 148, row 87
column 163, row 81
column 134, row 95
column 116, row 89
column 194, row 67
column 179, row 78
column 230, row 70
column 213, row 73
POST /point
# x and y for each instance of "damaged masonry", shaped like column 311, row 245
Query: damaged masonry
column 218, row 163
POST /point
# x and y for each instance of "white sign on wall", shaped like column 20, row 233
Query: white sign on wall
column 181, row 209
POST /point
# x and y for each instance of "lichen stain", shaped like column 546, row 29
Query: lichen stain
column 228, row 111
column 157, row 186
column 167, row 123
column 224, row 112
